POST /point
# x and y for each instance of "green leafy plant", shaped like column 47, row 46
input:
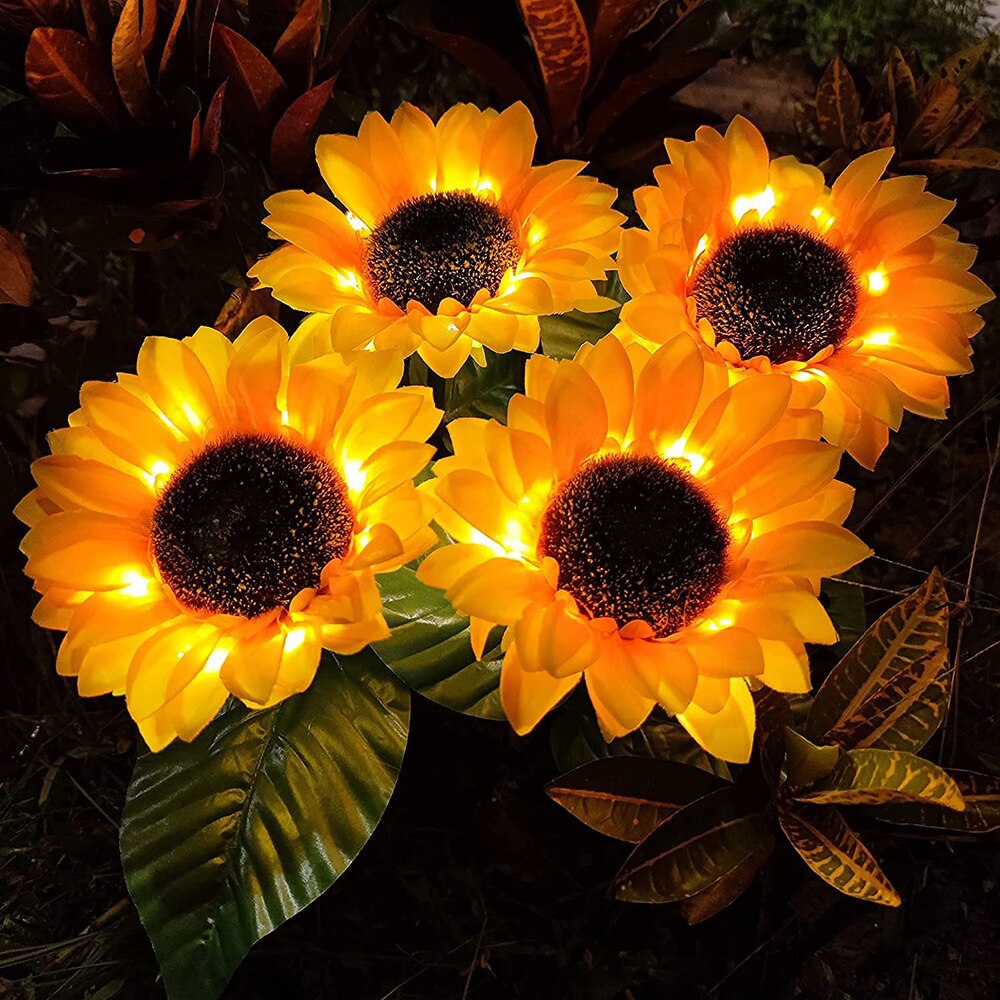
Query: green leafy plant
column 931, row 120
column 702, row 838
column 597, row 71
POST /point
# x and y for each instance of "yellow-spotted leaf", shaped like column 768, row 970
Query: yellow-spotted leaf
column 693, row 850
column 559, row 35
column 905, row 711
column 833, row 851
column 628, row 797
column 838, row 107
column 873, row 777
column 805, row 762
column 981, row 793
column 909, row 631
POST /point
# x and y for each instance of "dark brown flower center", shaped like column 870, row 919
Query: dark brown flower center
column 248, row 523
column 780, row 292
column 636, row 537
column 439, row 246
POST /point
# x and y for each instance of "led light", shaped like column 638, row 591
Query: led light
column 761, row 203
column 295, row 638
column 348, row 279
column 136, row 585
column 356, row 224
column 484, row 185
column 678, row 450
column 354, row 475
column 878, row 281
column 157, row 474
column 701, row 247
column 880, row 338
column 216, row 658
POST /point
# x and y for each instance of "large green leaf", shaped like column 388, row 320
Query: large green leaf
column 872, row 777
column 225, row 838
column 907, row 632
column 703, row 905
column 628, row 797
column 576, row 738
column 562, row 335
column 832, row 850
column 430, row 648
column 981, row 794
column 692, row 850
column 805, row 762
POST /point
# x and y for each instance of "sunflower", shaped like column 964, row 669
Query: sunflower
column 450, row 241
column 859, row 287
column 643, row 525
column 207, row 526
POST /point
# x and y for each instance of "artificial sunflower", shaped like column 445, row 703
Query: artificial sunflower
column 207, row 526
column 449, row 240
column 643, row 525
column 859, row 287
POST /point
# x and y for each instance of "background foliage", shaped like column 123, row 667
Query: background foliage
column 475, row 884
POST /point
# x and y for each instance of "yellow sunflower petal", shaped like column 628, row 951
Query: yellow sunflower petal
column 727, row 733
column 527, row 696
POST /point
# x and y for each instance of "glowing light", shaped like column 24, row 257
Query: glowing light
column 535, row 234
column 284, row 417
column 513, row 538
column 880, row 338
column 156, row 475
column 761, row 203
column 136, row 585
column 717, row 624
column 295, row 638
column 803, row 376
column 484, row 185
column 822, row 217
column 678, row 452
column 354, row 475
column 701, row 247
column 878, row 281
column 192, row 415
column 434, row 183
column 348, row 279
column 356, row 224
column 216, row 658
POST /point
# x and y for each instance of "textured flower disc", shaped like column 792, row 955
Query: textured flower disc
column 248, row 523
column 440, row 246
column 636, row 537
column 780, row 292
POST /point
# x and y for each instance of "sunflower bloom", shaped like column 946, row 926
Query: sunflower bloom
column 643, row 525
column 859, row 287
column 449, row 240
column 207, row 526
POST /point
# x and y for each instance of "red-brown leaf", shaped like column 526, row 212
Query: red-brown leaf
column 15, row 271
column 296, row 49
column 212, row 126
column 128, row 59
column 255, row 86
column 615, row 20
column 170, row 45
column 69, row 76
column 295, row 134
column 559, row 36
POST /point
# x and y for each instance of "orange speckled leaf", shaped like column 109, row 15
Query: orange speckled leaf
column 559, row 36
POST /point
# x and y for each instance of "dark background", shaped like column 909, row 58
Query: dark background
column 474, row 884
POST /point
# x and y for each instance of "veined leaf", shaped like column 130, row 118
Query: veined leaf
column 16, row 273
column 838, row 107
column 903, row 713
column 910, row 630
column 562, row 335
column 225, row 838
column 806, row 762
column 294, row 136
column 966, row 158
column 68, row 76
column 576, row 738
column 430, row 648
column 702, row 906
column 958, row 68
column 254, row 85
column 692, row 850
column 877, row 134
column 628, row 797
column 941, row 100
column 871, row 777
column 981, row 793
column 832, row 850
column 559, row 36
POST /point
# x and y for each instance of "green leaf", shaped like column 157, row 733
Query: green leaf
column 430, row 648
column 871, row 777
column 576, row 738
column 562, row 335
column 484, row 392
column 838, row 107
column 832, row 850
column 981, row 793
column 845, row 602
column 902, row 91
column 960, row 66
column 693, row 849
column 628, row 797
column 225, row 838
column 806, row 762
column 913, row 628
column 905, row 712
